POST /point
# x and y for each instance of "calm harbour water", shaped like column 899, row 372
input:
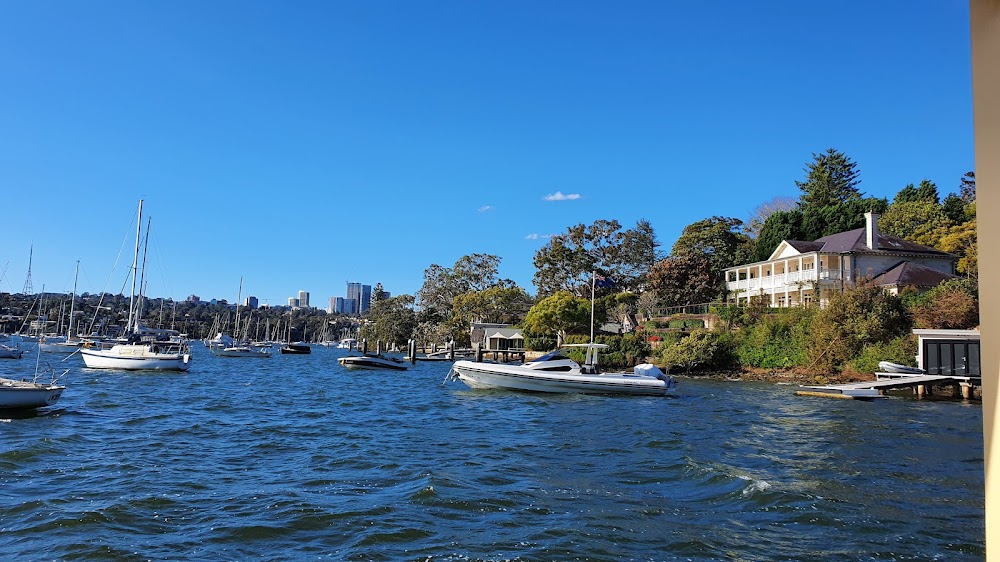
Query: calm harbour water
column 296, row 458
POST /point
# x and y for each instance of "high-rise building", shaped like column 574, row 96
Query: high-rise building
column 251, row 302
column 304, row 299
column 366, row 298
column 293, row 302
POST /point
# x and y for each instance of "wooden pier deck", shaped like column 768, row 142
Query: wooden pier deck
column 869, row 390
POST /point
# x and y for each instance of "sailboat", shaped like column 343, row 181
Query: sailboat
column 28, row 395
column 243, row 348
column 64, row 344
column 144, row 349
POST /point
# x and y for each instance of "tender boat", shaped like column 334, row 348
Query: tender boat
column 896, row 368
column 555, row 372
column 372, row 361
column 347, row 343
column 224, row 346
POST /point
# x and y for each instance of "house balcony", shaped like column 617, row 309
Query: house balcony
column 791, row 281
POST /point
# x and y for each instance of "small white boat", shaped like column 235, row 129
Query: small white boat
column 347, row 343
column 889, row 367
column 372, row 361
column 555, row 372
column 243, row 351
column 16, row 395
column 11, row 349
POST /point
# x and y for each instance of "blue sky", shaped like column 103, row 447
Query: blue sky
column 302, row 145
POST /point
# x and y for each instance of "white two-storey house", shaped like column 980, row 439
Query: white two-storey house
column 799, row 273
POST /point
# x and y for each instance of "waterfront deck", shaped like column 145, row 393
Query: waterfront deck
column 868, row 390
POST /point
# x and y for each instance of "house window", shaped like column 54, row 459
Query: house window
column 807, row 299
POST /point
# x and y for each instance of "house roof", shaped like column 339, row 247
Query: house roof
column 907, row 273
column 803, row 247
column 506, row 333
column 855, row 241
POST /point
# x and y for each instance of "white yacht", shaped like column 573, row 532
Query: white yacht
column 555, row 372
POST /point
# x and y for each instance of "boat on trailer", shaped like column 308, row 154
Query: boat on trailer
column 555, row 372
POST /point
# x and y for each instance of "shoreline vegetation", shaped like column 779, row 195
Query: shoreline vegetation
column 598, row 274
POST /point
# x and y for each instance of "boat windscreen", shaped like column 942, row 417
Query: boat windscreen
column 554, row 356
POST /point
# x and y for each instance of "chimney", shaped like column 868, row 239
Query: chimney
column 871, row 230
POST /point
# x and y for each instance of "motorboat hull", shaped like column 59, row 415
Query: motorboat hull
column 296, row 349
column 494, row 375
column 371, row 362
column 241, row 352
column 8, row 352
column 25, row 395
column 135, row 358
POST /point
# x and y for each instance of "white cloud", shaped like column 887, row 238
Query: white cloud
column 485, row 208
column 534, row 236
column 560, row 196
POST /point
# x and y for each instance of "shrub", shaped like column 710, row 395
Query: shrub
column 698, row 348
column 777, row 341
column 900, row 350
column 953, row 304
column 857, row 317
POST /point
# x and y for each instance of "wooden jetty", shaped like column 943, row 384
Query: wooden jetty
column 868, row 390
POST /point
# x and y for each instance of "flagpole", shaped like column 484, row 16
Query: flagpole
column 593, row 285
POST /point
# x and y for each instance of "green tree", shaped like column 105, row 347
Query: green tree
column 497, row 304
column 956, row 209
column 952, row 305
column 779, row 226
column 909, row 220
column 698, row 348
column 391, row 321
column 685, row 279
column 926, row 192
column 856, row 317
column 719, row 239
column 831, row 178
column 568, row 260
column 967, row 188
column 561, row 314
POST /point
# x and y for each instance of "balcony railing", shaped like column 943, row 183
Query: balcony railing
column 789, row 280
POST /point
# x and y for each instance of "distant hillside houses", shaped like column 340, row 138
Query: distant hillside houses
column 800, row 273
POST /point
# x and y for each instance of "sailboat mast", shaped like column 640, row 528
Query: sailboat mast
column 142, row 279
column 135, row 268
column 236, row 325
column 72, row 303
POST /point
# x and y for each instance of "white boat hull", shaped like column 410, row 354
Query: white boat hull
column 7, row 352
column 241, row 352
column 371, row 362
column 135, row 358
column 23, row 395
column 493, row 375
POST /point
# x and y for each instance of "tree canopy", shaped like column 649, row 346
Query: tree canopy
column 568, row 260
column 561, row 313
column 831, row 178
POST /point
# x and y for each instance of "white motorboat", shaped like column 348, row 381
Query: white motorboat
column 247, row 350
column 347, row 343
column 372, row 361
column 555, row 372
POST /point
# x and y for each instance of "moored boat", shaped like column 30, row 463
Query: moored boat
column 297, row 348
column 372, row 361
column 555, row 372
